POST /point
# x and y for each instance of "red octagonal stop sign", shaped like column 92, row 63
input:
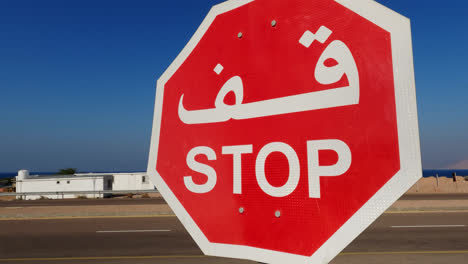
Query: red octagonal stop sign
column 285, row 127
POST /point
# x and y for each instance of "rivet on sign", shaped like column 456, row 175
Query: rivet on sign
column 241, row 210
column 278, row 214
column 273, row 23
column 239, row 35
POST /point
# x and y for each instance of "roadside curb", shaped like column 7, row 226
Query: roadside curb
column 428, row 210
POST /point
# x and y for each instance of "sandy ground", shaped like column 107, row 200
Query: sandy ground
column 442, row 185
column 137, row 196
column 84, row 211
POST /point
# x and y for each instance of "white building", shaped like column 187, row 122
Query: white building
column 56, row 186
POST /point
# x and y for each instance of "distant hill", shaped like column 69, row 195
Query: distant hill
column 462, row 165
column 7, row 175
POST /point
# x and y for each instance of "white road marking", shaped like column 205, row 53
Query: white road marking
column 427, row 226
column 132, row 231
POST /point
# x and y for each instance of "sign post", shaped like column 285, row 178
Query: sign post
column 286, row 127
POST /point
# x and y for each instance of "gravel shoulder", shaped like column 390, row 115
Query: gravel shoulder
column 16, row 211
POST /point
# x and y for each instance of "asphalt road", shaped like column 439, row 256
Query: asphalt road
column 393, row 238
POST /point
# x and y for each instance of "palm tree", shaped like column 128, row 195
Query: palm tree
column 68, row 171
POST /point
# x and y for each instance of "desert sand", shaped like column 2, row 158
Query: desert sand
column 442, row 185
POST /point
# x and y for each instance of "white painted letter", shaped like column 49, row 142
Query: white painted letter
column 201, row 168
column 237, row 152
column 316, row 171
column 294, row 169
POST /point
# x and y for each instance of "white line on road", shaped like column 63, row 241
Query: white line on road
column 132, row 231
column 427, row 226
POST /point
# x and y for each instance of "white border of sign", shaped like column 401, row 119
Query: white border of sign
column 408, row 133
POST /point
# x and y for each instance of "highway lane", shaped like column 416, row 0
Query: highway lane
column 393, row 238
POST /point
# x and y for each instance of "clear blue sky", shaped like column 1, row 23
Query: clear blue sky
column 77, row 78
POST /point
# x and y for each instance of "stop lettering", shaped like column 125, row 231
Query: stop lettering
column 315, row 171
